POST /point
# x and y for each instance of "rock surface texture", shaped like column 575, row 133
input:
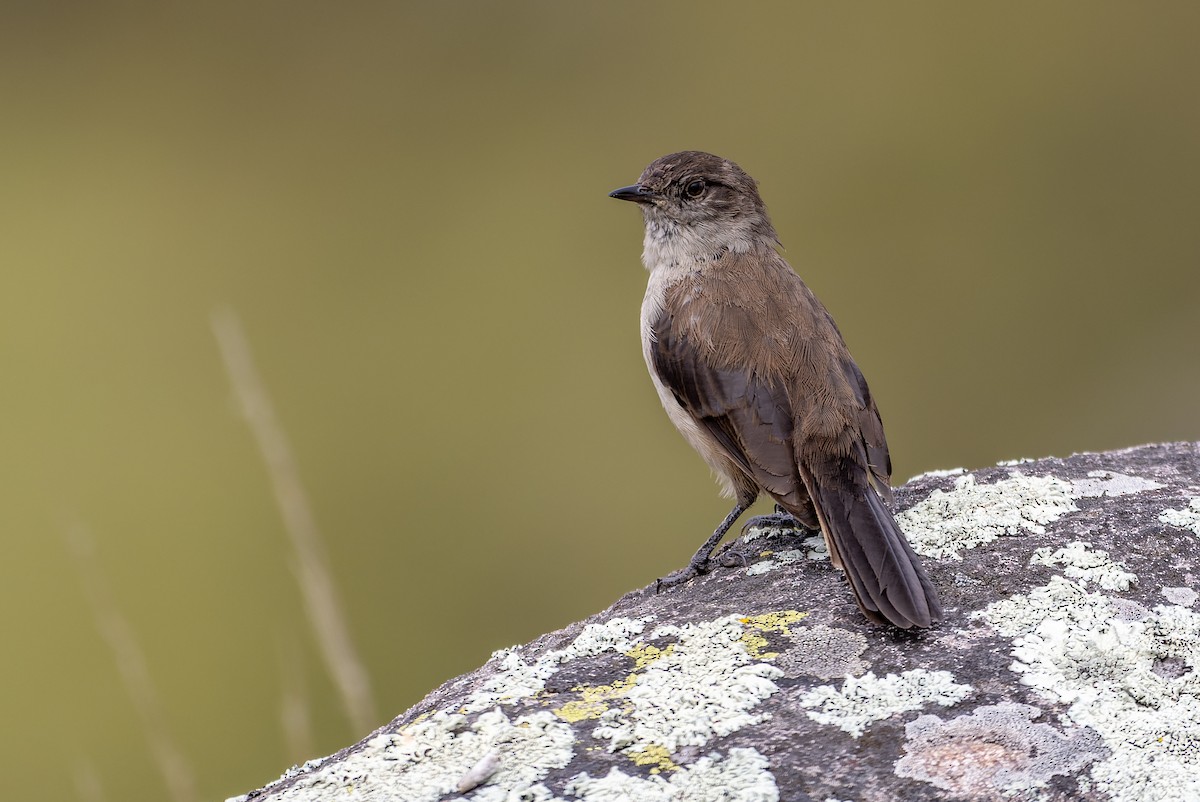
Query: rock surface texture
column 1067, row 667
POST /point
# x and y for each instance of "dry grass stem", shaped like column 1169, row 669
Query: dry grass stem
column 294, row 714
column 311, row 565
column 87, row 782
column 131, row 665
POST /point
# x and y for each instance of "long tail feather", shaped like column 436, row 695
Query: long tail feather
column 885, row 575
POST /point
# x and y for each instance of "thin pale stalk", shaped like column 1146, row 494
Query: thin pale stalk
column 131, row 665
column 310, row 564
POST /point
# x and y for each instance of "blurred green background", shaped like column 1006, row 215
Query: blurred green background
column 405, row 204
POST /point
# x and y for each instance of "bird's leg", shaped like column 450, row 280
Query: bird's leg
column 699, row 562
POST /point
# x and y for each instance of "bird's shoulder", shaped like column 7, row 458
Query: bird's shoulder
column 745, row 310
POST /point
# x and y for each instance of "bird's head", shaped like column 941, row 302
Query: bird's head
column 696, row 205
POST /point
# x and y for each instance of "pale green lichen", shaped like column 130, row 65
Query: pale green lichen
column 741, row 776
column 813, row 548
column 816, row 548
column 1086, row 565
column 866, row 699
column 1060, row 600
column 1188, row 518
column 517, row 678
column 945, row 524
column 939, row 474
column 705, row 687
column 776, row 560
column 1135, row 682
column 426, row 761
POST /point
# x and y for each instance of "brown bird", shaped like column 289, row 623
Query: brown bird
column 754, row 373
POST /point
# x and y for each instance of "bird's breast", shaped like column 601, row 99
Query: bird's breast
column 653, row 310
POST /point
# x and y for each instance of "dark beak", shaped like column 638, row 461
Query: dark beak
column 636, row 193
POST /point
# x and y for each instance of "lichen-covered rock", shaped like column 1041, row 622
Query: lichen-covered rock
column 1067, row 667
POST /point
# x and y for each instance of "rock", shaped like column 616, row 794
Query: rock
column 1067, row 667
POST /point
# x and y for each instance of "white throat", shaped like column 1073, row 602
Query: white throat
column 668, row 244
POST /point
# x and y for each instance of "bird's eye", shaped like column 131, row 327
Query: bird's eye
column 694, row 189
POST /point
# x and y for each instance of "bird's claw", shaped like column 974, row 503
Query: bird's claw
column 776, row 520
column 676, row 578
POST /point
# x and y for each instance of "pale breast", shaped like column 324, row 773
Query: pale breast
column 661, row 278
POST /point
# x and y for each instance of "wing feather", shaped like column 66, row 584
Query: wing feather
column 751, row 419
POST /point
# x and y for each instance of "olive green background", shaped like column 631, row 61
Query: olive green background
column 406, row 206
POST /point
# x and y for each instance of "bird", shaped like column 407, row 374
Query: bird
column 754, row 373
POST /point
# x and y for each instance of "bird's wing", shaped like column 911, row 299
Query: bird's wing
column 870, row 425
column 749, row 417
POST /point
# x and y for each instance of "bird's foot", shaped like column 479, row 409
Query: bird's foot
column 694, row 569
column 702, row 558
column 776, row 520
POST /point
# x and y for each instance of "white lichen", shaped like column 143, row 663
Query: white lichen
column 704, row 687
column 1188, row 518
column 517, row 678
column 741, row 776
column 939, row 474
column 1085, row 565
column 753, row 533
column 813, row 547
column 1184, row 597
column 993, row 748
column 776, row 560
column 816, row 548
column 866, row 699
column 1108, row 483
column 945, row 524
column 825, row 652
column 1060, row 600
column 425, row 761
column 438, row 755
column 1124, row 679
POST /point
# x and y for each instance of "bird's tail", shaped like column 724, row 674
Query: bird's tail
column 885, row 575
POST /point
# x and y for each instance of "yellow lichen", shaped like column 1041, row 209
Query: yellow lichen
column 593, row 700
column 656, row 756
column 598, row 692
column 644, row 654
column 756, row 645
column 778, row 621
column 579, row 710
